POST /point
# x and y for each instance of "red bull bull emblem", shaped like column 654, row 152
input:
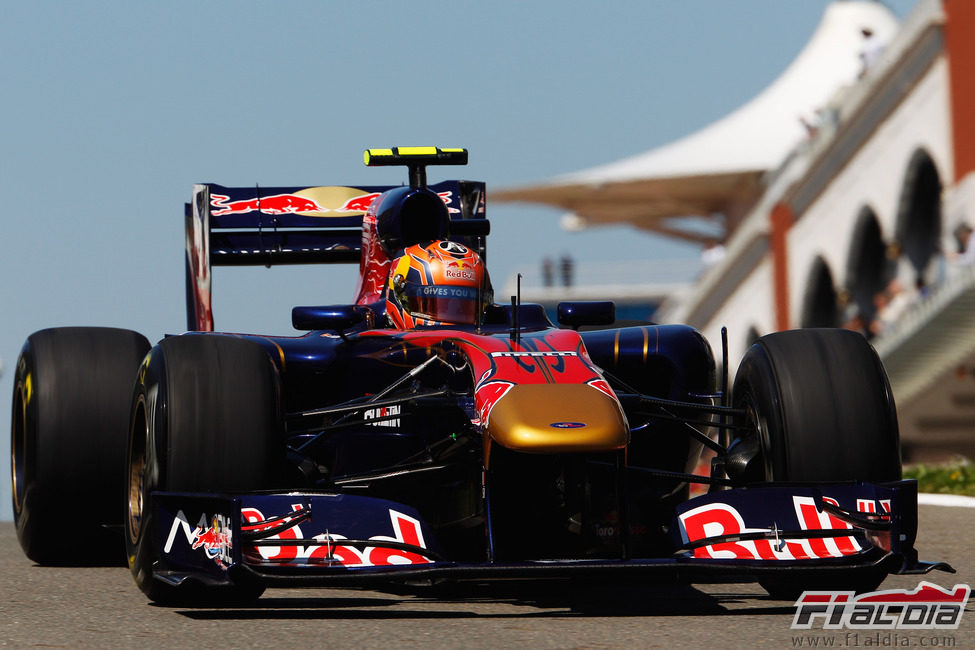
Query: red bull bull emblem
column 275, row 204
column 215, row 541
column 221, row 205
column 359, row 203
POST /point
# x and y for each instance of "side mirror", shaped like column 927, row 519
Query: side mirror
column 596, row 312
column 331, row 317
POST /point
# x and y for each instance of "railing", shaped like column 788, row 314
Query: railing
column 931, row 336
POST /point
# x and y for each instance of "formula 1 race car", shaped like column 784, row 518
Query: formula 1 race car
column 426, row 432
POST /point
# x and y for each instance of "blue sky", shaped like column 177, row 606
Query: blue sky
column 112, row 110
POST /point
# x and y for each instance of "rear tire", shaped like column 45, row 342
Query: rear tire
column 69, row 427
column 821, row 409
column 205, row 418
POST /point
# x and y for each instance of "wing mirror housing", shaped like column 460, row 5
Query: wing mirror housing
column 338, row 318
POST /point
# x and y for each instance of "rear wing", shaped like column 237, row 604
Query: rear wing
column 250, row 226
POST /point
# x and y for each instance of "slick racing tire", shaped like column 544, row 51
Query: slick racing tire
column 820, row 404
column 820, row 409
column 205, row 419
column 69, row 428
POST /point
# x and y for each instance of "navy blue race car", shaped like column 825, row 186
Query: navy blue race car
column 427, row 432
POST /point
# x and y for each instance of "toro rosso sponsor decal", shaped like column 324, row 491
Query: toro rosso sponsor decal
column 723, row 520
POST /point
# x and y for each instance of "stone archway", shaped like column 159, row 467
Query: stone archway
column 819, row 307
column 918, row 229
column 868, row 269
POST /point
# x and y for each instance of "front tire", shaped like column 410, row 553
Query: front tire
column 820, row 403
column 820, row 409
column 205, row 418
column 69, row 426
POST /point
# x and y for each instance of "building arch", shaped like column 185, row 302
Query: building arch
column 918, row 228
column 868, row 267
column 819, row 305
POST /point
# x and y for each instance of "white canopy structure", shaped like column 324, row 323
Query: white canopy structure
column 718, row 170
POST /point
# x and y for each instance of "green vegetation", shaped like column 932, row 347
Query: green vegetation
column 957, row 477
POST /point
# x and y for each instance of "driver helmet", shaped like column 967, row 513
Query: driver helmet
column 438, row 283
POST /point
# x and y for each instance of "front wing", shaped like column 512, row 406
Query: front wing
column 305, row 538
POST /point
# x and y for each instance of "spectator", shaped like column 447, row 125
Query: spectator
column 876, row 325
column 548, row 272
column 566, row 266
column 965, row 251
column 890, row 304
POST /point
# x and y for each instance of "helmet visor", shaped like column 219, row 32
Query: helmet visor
column 444, row 302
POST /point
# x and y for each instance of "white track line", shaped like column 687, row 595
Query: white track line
column 955, row 500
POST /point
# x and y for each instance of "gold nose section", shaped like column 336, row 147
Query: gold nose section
column 558, row 418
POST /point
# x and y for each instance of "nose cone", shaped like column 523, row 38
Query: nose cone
column 558, row 418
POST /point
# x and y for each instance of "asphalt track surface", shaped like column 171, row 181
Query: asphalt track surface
column 101, row 607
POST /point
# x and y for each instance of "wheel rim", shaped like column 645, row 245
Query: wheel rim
column 18, row 449
column 760, row 426
column 137, row 471
column 757, row 430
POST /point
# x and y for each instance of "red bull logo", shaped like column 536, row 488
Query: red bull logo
column 213, row 536
column 221, row 205
column 329, row 549
column 723, row 520
column 358, row 203
column 460, row 274
column 364, row 202
column 275, row 204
